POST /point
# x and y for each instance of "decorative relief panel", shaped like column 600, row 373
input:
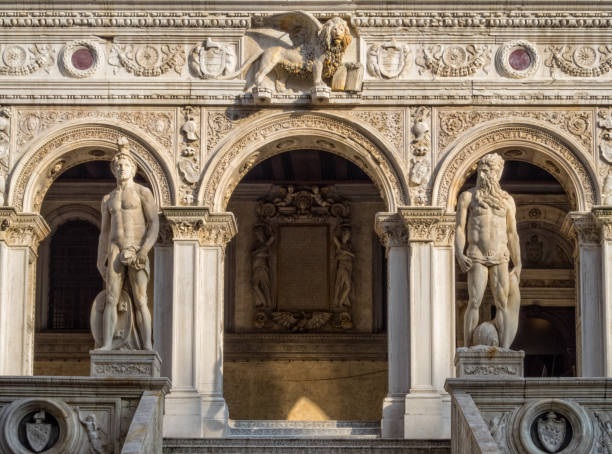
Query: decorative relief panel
column 604, row 123
column 189, row 160
column 213, row 59
column 455, row 122
column 388, row 123
column 388, row 60
column 148, row 60
column 420, row 163
column 5, row 140
column 160, row 123
column 302, row 260
column 22, row 60
column 580, row 60
column 454, row 60
column 219, row 123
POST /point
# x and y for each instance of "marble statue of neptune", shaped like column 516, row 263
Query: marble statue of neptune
column 486, row 220
column 129, row 230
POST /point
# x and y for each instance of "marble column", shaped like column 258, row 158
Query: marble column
column 590, row 314
column 20, row 235
column 195, row 407
column 432, row 340
column 393, row 235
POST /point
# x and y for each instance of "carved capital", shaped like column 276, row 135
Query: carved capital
column 603, row 217
column 423, row 223
column 198, row 224
column 391, row 230
column 22, row 229
column 445, row 231
column 585, row 227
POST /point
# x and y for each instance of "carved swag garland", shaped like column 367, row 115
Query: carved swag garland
column 301, row 205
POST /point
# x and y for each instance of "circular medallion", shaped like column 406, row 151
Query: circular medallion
column 147, row 56
column 82, row 58
column 517, row 59
column 585, row 57
column 455, row 56
column 14, row 56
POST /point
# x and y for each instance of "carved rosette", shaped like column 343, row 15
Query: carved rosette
column 198, row 224
column 580, row 61
column 22, row 229
column 95, row 51
column 454, row 60
column 148, row 60
column 18, row 60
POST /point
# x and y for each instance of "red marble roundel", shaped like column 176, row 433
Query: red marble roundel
column 519, row 59
column 82, row 59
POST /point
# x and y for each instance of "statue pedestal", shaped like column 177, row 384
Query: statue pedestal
column 483, row 361
column 320, row 95
column 262, row 95
column 125, row 363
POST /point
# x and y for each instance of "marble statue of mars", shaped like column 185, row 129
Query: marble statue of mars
column 486, row 220
column 129, row 229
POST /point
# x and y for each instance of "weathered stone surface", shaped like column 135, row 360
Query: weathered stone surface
column 485, row 361
column 125, row 364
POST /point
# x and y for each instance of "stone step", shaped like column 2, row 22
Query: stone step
column 304, row 429
column 304, row 446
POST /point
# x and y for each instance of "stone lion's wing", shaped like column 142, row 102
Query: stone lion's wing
column 302, row 27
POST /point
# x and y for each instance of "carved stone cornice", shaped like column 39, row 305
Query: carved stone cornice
column 603, row 217
column 584, row 227
column 199, row 224
column 423, row 223
column 391, row 230
column 22, row 229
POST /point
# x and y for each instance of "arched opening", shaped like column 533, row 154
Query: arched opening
column 305, row 292
column 67, row 279
column 547, row 331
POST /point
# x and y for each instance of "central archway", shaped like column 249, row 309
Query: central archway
column 298, row 130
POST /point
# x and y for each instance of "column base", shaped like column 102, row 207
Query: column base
column 427, row 416
column 392, row 424
column 190, row 415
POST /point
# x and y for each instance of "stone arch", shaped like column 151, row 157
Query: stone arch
column 298, row 130
column 521, row 141
column 70, row 146
column 72, row 212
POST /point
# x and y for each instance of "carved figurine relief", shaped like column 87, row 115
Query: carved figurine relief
column 420, row 163
column 96, row 436
column 486, row 224
column 189, row 161
column 388, row 60
column 607, row 190
column 316, row 54
column 213, row 59
column 605, row 135
column 321, row 213
column 120, row 317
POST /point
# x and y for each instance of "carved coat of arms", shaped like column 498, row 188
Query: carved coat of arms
column 38, row 433
column 387, row 60
column 551, row 432
column 213, row 59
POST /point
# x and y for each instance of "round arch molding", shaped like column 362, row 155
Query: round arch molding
column 74, row 145
column 301, row 130
column 518, row 142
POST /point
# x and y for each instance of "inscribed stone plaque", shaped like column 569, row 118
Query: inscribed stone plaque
column 302, row 268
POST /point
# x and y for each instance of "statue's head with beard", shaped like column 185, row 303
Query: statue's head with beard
column 488, row 173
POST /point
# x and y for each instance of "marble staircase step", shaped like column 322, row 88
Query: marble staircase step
column 304, row 429
column 304, row 446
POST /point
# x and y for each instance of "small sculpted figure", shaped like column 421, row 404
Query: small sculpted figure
column 260, row 268
column 344, row 269
column 486, row 220
column 129, row 229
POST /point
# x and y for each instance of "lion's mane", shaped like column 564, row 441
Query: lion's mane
column 333, row 51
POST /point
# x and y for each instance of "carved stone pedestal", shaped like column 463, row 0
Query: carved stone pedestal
column 320, row 95
column 125, row 364
column 262, row 95
column 483, row 360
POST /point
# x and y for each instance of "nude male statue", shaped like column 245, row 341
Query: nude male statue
column 486, row 218
column 129, row 229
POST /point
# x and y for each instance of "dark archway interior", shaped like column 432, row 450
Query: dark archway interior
column 546, row 327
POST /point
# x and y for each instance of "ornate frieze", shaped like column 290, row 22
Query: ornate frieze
column 454, row 60
column 159, row 123
column 148, row 60
column 454, row 122
column 198, row 224
column 580, row 60
column 22, row 60
column 22, row 229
